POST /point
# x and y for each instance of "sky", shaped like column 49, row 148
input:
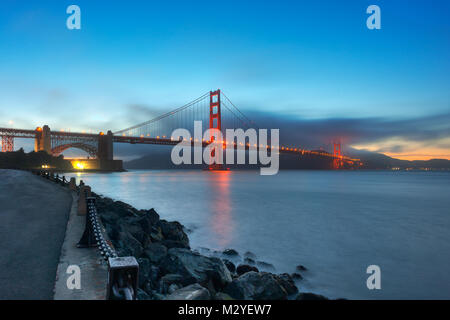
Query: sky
column 313, row 68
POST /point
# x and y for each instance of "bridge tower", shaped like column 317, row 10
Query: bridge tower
column 42, row 141
column 7, row 144
column 105, row 146
column 337, row 161
column 215, row 121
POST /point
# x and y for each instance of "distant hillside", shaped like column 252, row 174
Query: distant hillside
column 371, row 160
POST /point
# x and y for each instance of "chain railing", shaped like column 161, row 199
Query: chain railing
column 123, row 272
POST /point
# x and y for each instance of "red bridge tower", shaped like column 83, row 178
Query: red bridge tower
column 337, row 153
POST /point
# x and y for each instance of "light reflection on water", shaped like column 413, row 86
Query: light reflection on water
column 221, row 219
column 335, row 223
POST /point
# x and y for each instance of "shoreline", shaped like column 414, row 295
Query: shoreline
column 171, row 270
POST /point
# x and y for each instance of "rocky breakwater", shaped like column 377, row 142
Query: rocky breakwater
column 169, row 269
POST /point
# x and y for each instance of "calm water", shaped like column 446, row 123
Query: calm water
column 334, row 223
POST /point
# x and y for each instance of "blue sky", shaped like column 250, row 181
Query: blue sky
column 311, row 60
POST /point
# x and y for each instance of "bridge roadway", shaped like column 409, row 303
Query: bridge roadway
column 23, row 133
column 33, row 219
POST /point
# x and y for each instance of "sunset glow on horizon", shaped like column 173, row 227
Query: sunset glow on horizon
column 409, row 150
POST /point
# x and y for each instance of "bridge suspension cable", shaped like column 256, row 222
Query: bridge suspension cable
column 183, row 117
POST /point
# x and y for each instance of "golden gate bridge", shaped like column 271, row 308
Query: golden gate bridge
column 213, row 108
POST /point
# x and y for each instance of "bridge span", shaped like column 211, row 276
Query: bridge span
column 213, row 108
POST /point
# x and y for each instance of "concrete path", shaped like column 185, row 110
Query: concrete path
column 93, row 269
column 33, row 220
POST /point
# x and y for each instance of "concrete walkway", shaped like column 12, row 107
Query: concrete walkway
column 33, row 220
column 93, row 269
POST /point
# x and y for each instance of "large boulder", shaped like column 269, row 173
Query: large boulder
column 129, row 245
column 155, row 252
column 168, row 280
column 256, row 286
column 244, row 268
column 195, row 267
column 230, row 265
column 144, row 271
column 132, row 227
column 191, row 292
column 174, row 231
column 286, row 281
column 175, row 244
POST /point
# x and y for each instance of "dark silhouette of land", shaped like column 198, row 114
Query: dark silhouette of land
column 33, row 160
column 370, row 160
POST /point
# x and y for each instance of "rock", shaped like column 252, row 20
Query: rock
column 191, row 292
column 249, row 261
column 301, row 268
column 169, row 279
column 196, row 268
column 112, row 231
column 265, row 265
column 230, row 252
column 230, row 265
column 256, row 286
column 156, row 234
column 130, row 244
column 142, row 295
column 310, row 296
column 296, row 276
column 154, row 274
column 222, row 296
column 123, row 209
column 287, row 283
column 155, row 252
column 250, row 255
column 144, row 270
column 172, row 288
column 151, row 216
column 157, row 296
column 174, row 231
column 149, row 287
column 175, row 244
column 243, row 268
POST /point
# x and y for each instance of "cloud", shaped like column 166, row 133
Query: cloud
column 317, row 132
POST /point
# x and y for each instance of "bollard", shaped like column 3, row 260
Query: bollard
column 73, row 184
column 85, row 191
column 123, row 273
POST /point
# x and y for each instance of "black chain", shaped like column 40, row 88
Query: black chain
column 104, row 247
